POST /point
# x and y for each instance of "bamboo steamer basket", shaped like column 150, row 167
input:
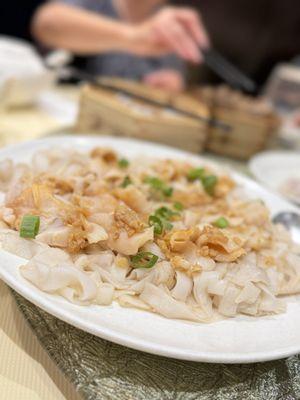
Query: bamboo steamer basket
column 162, row 97
column 251, row 123
column 245, row 136
column 106, row 112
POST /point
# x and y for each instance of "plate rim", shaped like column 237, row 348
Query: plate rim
column 125, row 339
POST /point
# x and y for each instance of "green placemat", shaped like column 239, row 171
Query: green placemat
column 101, row 370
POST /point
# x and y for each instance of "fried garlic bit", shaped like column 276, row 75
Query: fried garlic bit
column 224, row 185
column 207, row 242
column 191, row 197
column 215, row 244
column 57, row 185
column 126, row 219
column 133, row 198
column 107, row 155
column 170, row 170
column 180, row 239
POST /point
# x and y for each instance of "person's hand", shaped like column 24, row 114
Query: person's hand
column 172, row 30
column 168, row 79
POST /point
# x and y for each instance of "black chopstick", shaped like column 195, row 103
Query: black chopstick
column 73, row 72
column 229, row 72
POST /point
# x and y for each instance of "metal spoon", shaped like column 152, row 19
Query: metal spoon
column 291, row 221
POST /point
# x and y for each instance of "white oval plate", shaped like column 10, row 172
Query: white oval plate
column 237, row 340
column 273, row 168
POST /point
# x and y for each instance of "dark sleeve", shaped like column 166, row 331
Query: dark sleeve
column 98, row 6
column 170, row 61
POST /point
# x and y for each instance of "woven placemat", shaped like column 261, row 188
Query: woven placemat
column 103, row 370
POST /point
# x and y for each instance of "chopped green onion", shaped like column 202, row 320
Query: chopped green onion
column 178, row 206
column 30, row 226
column 126, row 182
column 196, row 173
column 160, row 220
column 157, row 223
column 144, row 259
column 159, row 185
column 221, row 223
column 167, row 225
column 123, row 163
column 209, row 182
column 167, row 191
column 156, row 183
column 165, row 212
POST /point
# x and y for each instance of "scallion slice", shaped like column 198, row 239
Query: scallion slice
column 221, row 223
column 209, row 182
column 167, row 225
column 158, row 185
column 165, row 212
column 157, row 223
column 123, row 163
column 126, row 182
column 178, row 206
column 160, row 220
column 30, row 226
column 196, row 173
column 144, row 259
column 167, row 191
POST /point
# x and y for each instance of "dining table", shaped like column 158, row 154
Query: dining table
column 26, row 369
column 43, row 358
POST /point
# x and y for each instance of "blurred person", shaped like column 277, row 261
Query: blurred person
column 255, row 35
column 151, row 49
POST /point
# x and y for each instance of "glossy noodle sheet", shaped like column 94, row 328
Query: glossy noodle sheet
column 164, row 236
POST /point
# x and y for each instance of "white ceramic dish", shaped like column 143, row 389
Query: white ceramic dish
column 23, row 75
column 58, row 107
column 238, row 340
column 273, row 168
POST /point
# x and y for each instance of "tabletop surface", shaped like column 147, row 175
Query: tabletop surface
column 26, row 370
column 101, row 370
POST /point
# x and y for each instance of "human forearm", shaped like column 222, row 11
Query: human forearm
column 82, row 32
column 170, row 30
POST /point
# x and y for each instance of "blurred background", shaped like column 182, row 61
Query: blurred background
column 221, row 77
